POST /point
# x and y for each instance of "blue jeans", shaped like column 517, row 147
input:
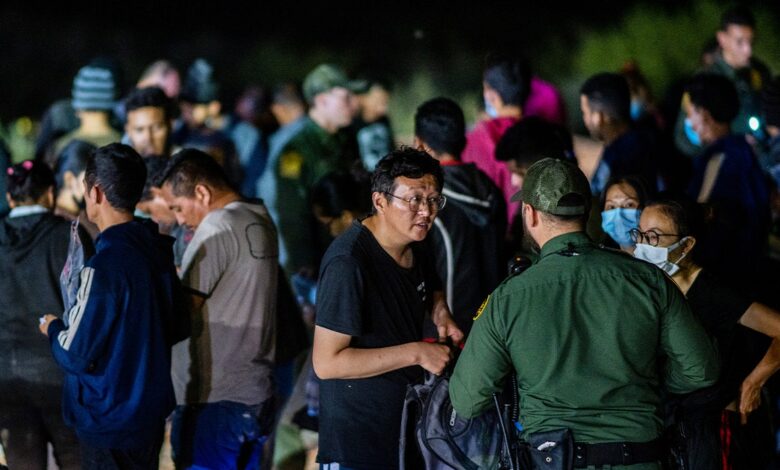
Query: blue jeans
column 224, row 435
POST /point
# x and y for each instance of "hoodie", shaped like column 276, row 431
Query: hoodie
column 114, row 344
column 33, row 249
column 468, row 240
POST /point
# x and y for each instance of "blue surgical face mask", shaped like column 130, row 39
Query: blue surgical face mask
column 490, row 110
column 691, row 134
column 618, row 222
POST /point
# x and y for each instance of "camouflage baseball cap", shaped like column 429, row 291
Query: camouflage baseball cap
column 556, row 187
column 326, row 77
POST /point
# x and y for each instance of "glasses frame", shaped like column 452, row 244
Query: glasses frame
column 637, row 235
column 433, row 206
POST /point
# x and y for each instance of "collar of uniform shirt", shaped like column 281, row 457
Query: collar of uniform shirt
column 562, row 242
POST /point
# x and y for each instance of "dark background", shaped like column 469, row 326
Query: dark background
column 264, row 42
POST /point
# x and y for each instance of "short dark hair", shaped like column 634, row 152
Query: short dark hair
column 440, row 124
column 532, row 139
column 27, row 181
column 190, row 167
column 738, row 15
column 120, row 172
column 407, row 162
column 73, row 158
column 609, row 93
column 716, row 94
column 579, row 219
column 340, row 191
column 151, row 96
column 509, row 76
column 155, row 167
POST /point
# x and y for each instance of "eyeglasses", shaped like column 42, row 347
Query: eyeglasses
column 650, row 237
column 434, row 204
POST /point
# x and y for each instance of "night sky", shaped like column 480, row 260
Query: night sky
column 265, row 42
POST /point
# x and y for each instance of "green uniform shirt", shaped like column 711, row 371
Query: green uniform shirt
column 311, row 154
column 586, row 329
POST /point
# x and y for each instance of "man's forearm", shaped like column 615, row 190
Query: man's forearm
column 439, row 308
column 358, row 363
column 768, row 365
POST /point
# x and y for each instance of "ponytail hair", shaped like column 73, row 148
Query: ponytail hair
column 27, row 181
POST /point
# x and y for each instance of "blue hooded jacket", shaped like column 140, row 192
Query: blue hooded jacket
column 114, row 344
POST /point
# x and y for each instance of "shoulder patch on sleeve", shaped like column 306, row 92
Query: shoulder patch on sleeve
column 756, row 81
column 481, row 308
column 290, row 164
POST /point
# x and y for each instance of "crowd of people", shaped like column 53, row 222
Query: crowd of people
column 258, row 288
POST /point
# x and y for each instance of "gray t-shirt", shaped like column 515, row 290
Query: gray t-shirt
column 232, row 261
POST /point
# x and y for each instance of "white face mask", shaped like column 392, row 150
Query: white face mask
column 659, row 256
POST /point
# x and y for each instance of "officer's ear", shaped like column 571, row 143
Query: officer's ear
column 531, row 216
column 319, row 100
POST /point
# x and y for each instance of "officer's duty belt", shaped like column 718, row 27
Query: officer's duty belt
column 618, row 453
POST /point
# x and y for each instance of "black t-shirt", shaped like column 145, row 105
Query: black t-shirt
column 364, row 293
column 719, row 308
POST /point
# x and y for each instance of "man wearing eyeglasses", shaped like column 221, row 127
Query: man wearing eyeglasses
column 377, row 284
column 592, row 335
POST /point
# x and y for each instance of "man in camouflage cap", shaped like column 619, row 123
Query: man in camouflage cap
column 585, row 329
column 316, row 150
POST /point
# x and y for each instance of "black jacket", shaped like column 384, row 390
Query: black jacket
column 33, row 249
column 468, row 240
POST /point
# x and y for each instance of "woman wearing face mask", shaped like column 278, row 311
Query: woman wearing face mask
column 719, row 434
column 622, row 203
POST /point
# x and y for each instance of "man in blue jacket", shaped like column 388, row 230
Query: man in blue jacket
column 114, row 344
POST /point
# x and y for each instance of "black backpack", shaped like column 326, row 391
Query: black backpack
column 443, row 440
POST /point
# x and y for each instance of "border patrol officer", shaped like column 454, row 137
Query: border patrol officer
column 588, row 332
column 317, row 149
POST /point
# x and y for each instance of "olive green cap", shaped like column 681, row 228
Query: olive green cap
column 324, row 78
column 556, row 187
